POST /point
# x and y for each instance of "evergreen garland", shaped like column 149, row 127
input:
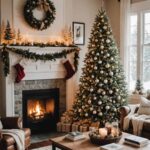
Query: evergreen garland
column 34, row 56
column 5, row 60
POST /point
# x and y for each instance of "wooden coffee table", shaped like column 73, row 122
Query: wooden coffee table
column 85, row 144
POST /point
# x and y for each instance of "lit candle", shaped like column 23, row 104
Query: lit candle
column 103, row 132
column 114, row 132
column 108, row 126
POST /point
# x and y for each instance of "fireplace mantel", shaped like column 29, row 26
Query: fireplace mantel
column 34, row 71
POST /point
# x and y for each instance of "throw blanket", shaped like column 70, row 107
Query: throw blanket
column 18, row 135
column 137, row 122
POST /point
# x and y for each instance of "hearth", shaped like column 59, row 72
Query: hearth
column 41, row 109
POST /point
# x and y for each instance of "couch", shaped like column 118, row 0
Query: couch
column 124, row 111
column 7, row 142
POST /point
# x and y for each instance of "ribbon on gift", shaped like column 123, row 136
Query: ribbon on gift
column 44, row 5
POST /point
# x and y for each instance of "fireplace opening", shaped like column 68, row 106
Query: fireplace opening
column 41, row 109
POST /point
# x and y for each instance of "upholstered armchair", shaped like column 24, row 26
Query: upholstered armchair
column 124, row 111
column 7, row 142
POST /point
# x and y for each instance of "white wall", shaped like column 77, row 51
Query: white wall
column 113, row 12
column 85, row 11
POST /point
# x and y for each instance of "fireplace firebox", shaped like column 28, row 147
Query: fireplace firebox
column 41, row 109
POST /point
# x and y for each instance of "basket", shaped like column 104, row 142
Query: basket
column 98, row 141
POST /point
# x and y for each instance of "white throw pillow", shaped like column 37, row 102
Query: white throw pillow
column 1, row 126
column 144, row 106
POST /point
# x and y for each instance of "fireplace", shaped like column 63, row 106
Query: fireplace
column 40, row 109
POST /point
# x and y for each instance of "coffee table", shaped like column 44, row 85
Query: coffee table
column 85, row 144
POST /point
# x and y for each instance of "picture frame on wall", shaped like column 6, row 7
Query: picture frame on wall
column 78, row 33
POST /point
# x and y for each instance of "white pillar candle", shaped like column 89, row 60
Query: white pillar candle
column 103, row 132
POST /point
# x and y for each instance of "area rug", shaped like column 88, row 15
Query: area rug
column 44, row 145
column 43, row 148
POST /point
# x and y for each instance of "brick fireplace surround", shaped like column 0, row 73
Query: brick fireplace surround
column 38, row 75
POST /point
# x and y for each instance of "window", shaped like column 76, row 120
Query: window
column 133, row 52
column 146, row 50
column 139, row 47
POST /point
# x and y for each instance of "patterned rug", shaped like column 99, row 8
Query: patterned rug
column 44, row 145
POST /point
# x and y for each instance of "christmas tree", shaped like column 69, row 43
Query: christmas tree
column 19, row 37
column 102, row 88
column 67, row 35
column 8, row 36
column 139, row 87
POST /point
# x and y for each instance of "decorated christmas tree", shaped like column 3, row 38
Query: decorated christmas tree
column 8, row 35
column 102, row 88
column 139, row 87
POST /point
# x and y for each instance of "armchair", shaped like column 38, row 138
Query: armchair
column 124, row 111
column 7, row 142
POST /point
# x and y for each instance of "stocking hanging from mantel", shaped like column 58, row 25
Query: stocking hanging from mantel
column 69, row 69
column 19, row 72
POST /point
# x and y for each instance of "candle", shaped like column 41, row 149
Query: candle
column 114, row 132
column 108, row 126
column 103, row 132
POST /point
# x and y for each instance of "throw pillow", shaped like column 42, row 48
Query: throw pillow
column 1, row 126
column 144, row 106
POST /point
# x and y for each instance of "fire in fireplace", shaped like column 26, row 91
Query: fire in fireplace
column 41, row 109
column 38, row 109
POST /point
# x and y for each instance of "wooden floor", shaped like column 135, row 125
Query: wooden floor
column 39, row 144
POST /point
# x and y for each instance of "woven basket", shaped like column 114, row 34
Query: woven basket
column 98, row 141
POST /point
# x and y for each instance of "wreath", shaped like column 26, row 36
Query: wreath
column 45, row 5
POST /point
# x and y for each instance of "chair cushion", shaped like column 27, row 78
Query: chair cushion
column 144, row 107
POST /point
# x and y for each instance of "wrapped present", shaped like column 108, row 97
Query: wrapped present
column 68, row 127
column 59, row 127
column 75, row 127
column 62, row 119
column 80, row 128
column 63, row 127
column 84, row 128
column 95, row 124
column 92, row 128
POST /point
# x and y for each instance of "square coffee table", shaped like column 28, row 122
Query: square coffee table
column 85, row 144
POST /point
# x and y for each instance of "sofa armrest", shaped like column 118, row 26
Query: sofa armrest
column 12, row 122
column 124, row 111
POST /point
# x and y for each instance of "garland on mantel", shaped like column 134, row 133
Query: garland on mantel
column 34, row 56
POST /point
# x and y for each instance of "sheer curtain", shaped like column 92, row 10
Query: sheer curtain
column 124, row 32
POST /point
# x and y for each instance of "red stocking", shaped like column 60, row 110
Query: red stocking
column 69, row 69
column 20, row 73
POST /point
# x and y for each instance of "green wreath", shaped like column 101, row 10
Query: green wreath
column 48, row 8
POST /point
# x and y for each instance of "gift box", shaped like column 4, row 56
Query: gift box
column 62, row 119
column 75, row 127
column 84, row 128
column 68, row 127
column 59, row 127
column 63, row 127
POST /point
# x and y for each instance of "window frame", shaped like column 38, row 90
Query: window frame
column 139, row 9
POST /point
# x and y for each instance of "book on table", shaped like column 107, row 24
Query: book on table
column 136, row 145
column 75, row 136
column 112, row 146
column 136, row 141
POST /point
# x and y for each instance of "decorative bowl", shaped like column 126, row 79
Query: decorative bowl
column 95, row 139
